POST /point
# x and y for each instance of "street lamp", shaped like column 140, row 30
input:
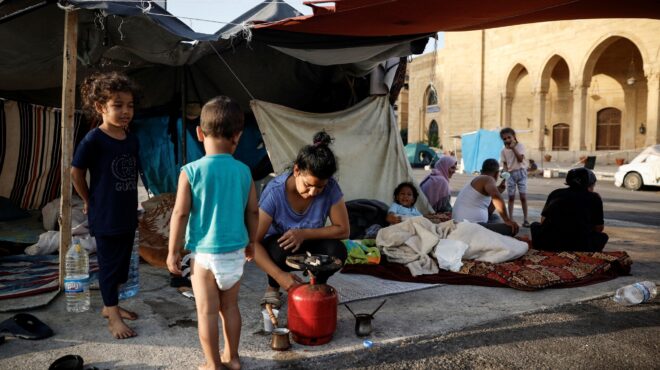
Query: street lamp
column 631, row 71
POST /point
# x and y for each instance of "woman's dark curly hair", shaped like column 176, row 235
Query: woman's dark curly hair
column 412, row 188
column 100, row 87
column 317, row 159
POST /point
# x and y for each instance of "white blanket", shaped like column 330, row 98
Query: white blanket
column 367, row 144
column 410, row 242
column 486, row 245
column 49, row 242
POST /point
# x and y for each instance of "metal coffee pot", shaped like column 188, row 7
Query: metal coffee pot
column 363, row 326
column 280, row 339
column 279, row 336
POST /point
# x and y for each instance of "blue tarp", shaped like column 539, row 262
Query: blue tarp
column 158, row 159
column 156, row 154
column 479, row 146
column 250, row 150
column 194, row 148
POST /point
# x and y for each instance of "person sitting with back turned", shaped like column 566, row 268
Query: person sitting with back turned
column 480, row 197
column 572, row 218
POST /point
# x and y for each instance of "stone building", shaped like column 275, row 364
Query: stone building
column 569, row 88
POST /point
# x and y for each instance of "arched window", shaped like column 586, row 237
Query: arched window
column 432, row 100
column 434, row 134
column 608, row 129
column 560, row 136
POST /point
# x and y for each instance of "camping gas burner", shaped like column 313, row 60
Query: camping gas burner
column 314, row 263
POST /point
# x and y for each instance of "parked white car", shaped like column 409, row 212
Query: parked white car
column 643, row 170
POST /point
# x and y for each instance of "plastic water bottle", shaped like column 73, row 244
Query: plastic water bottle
column 76, row 278
column 132, row 285
column 636, row 293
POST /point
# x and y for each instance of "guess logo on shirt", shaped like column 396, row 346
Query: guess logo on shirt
column 124, row 169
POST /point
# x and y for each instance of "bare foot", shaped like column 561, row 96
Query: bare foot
column 231, row 364
column 125, row 314
column 119, row 329
column 207, row 367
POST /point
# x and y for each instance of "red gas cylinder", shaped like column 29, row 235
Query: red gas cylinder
column 312, row 313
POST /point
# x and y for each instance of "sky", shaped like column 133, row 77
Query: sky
column 218, row 11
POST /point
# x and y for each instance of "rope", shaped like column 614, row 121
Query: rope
column 243, row 24
column 232, row 71
column 69, row 7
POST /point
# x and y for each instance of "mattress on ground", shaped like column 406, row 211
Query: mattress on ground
column 533, row 271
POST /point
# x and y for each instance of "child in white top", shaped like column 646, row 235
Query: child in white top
column 513, row 160
column 405, row 196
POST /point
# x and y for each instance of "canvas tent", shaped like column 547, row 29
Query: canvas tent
column 160, row 52
column 171, row 62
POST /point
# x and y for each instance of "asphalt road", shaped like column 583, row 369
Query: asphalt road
column 642, row 207
column 598, row 334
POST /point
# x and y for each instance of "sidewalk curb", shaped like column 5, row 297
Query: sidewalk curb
column 393, row 343
column 561, row 172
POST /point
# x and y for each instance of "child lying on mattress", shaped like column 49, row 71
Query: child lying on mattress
column 405, row 197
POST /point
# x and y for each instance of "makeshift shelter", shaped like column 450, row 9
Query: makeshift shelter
column 172, row 63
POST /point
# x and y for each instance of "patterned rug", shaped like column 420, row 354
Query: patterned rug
column 533, row 271
column 23, row 275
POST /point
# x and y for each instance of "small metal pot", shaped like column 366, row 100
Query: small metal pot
column 363, row 324
column 280, row 339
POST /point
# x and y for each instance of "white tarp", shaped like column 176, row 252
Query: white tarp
column 367, row 144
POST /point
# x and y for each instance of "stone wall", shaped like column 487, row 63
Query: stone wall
column 533, row 77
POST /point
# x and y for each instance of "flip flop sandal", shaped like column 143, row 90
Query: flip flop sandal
column 68, row 362
column 525, row 224
column 25, row 326
column 272, row 298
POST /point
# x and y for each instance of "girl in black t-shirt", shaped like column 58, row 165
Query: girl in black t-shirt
column 110, row 154
column 572, row 218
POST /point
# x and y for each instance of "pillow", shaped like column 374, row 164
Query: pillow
column 9, row 212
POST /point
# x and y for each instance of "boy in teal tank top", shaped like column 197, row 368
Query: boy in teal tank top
column 216, row 199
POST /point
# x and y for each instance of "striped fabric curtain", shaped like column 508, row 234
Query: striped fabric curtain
column 30, row 152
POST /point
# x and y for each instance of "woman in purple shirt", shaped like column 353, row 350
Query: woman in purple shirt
column 293, row 210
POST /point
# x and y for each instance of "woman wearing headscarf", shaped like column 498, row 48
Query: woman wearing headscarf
column 572, row 218
column 436, row 185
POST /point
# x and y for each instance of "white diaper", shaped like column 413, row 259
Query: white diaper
column 226, row 267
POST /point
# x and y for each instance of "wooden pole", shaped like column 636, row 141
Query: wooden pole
column 68, row 105
column 184, row 118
